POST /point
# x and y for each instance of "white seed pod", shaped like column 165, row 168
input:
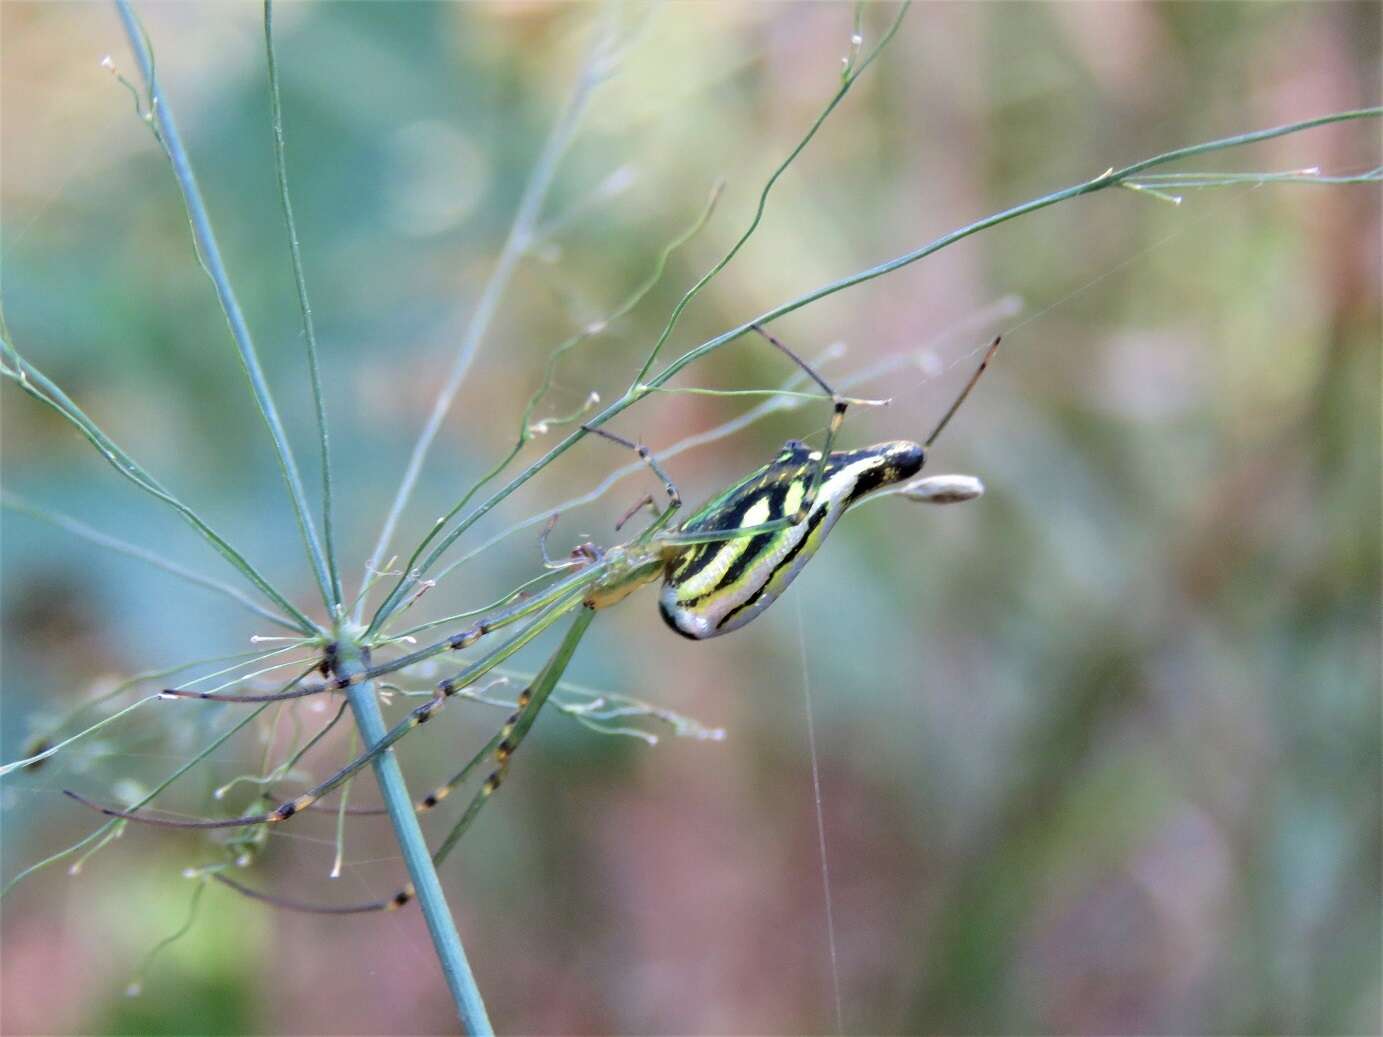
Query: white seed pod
column 943, row 489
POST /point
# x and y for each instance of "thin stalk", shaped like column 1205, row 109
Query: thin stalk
column 1108, row 179
column 136, row 984
column 95, row 536
column 594, row 70
column 300, row 280
column 102, row 834
column 58, row 747
column 38, row 746
column 38, row 385
column 210, row 255
column 441, row 926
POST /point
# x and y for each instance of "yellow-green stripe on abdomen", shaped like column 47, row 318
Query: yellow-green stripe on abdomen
column 736, row 579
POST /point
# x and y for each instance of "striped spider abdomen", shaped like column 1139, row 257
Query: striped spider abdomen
column 714, row 587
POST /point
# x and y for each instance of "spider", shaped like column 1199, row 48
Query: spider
column 720, row 568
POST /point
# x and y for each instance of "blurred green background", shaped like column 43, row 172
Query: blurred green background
column 1099, row 752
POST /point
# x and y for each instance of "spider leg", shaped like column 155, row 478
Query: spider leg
column 682, row 539
column 446, row 689
column 674, row 498
column 839, row 404
column 503, row 746
column 647, row 502
column 516, row 728
column 393, row 903
column 493, row 621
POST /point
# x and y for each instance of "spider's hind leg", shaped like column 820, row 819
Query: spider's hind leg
column 674, row 498
column 838, row 405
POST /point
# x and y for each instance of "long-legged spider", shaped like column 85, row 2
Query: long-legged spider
column 720, row 568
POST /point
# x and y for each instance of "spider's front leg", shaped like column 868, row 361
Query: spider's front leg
column 501, row 749
column 416, row 718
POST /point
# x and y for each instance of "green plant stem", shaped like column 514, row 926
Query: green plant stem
column 1108, row 179
column 304, row 306
column 210, row 255
column 421, row 871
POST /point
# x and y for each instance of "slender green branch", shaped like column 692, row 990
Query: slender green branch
column 34, row 382
column 95, row 536
column 851, row 73
column 421, row 870
column 210, row 254
column 595, row 69
column 304, row 306
column 694, row 390
column 39, row 746
column 1108, row 179
column 58, row 747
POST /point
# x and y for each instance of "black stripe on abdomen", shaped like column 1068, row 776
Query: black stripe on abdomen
column 788, row 558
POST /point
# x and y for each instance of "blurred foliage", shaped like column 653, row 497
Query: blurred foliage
column 1099, row 752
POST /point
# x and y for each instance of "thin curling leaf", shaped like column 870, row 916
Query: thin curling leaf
column 136, row 984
